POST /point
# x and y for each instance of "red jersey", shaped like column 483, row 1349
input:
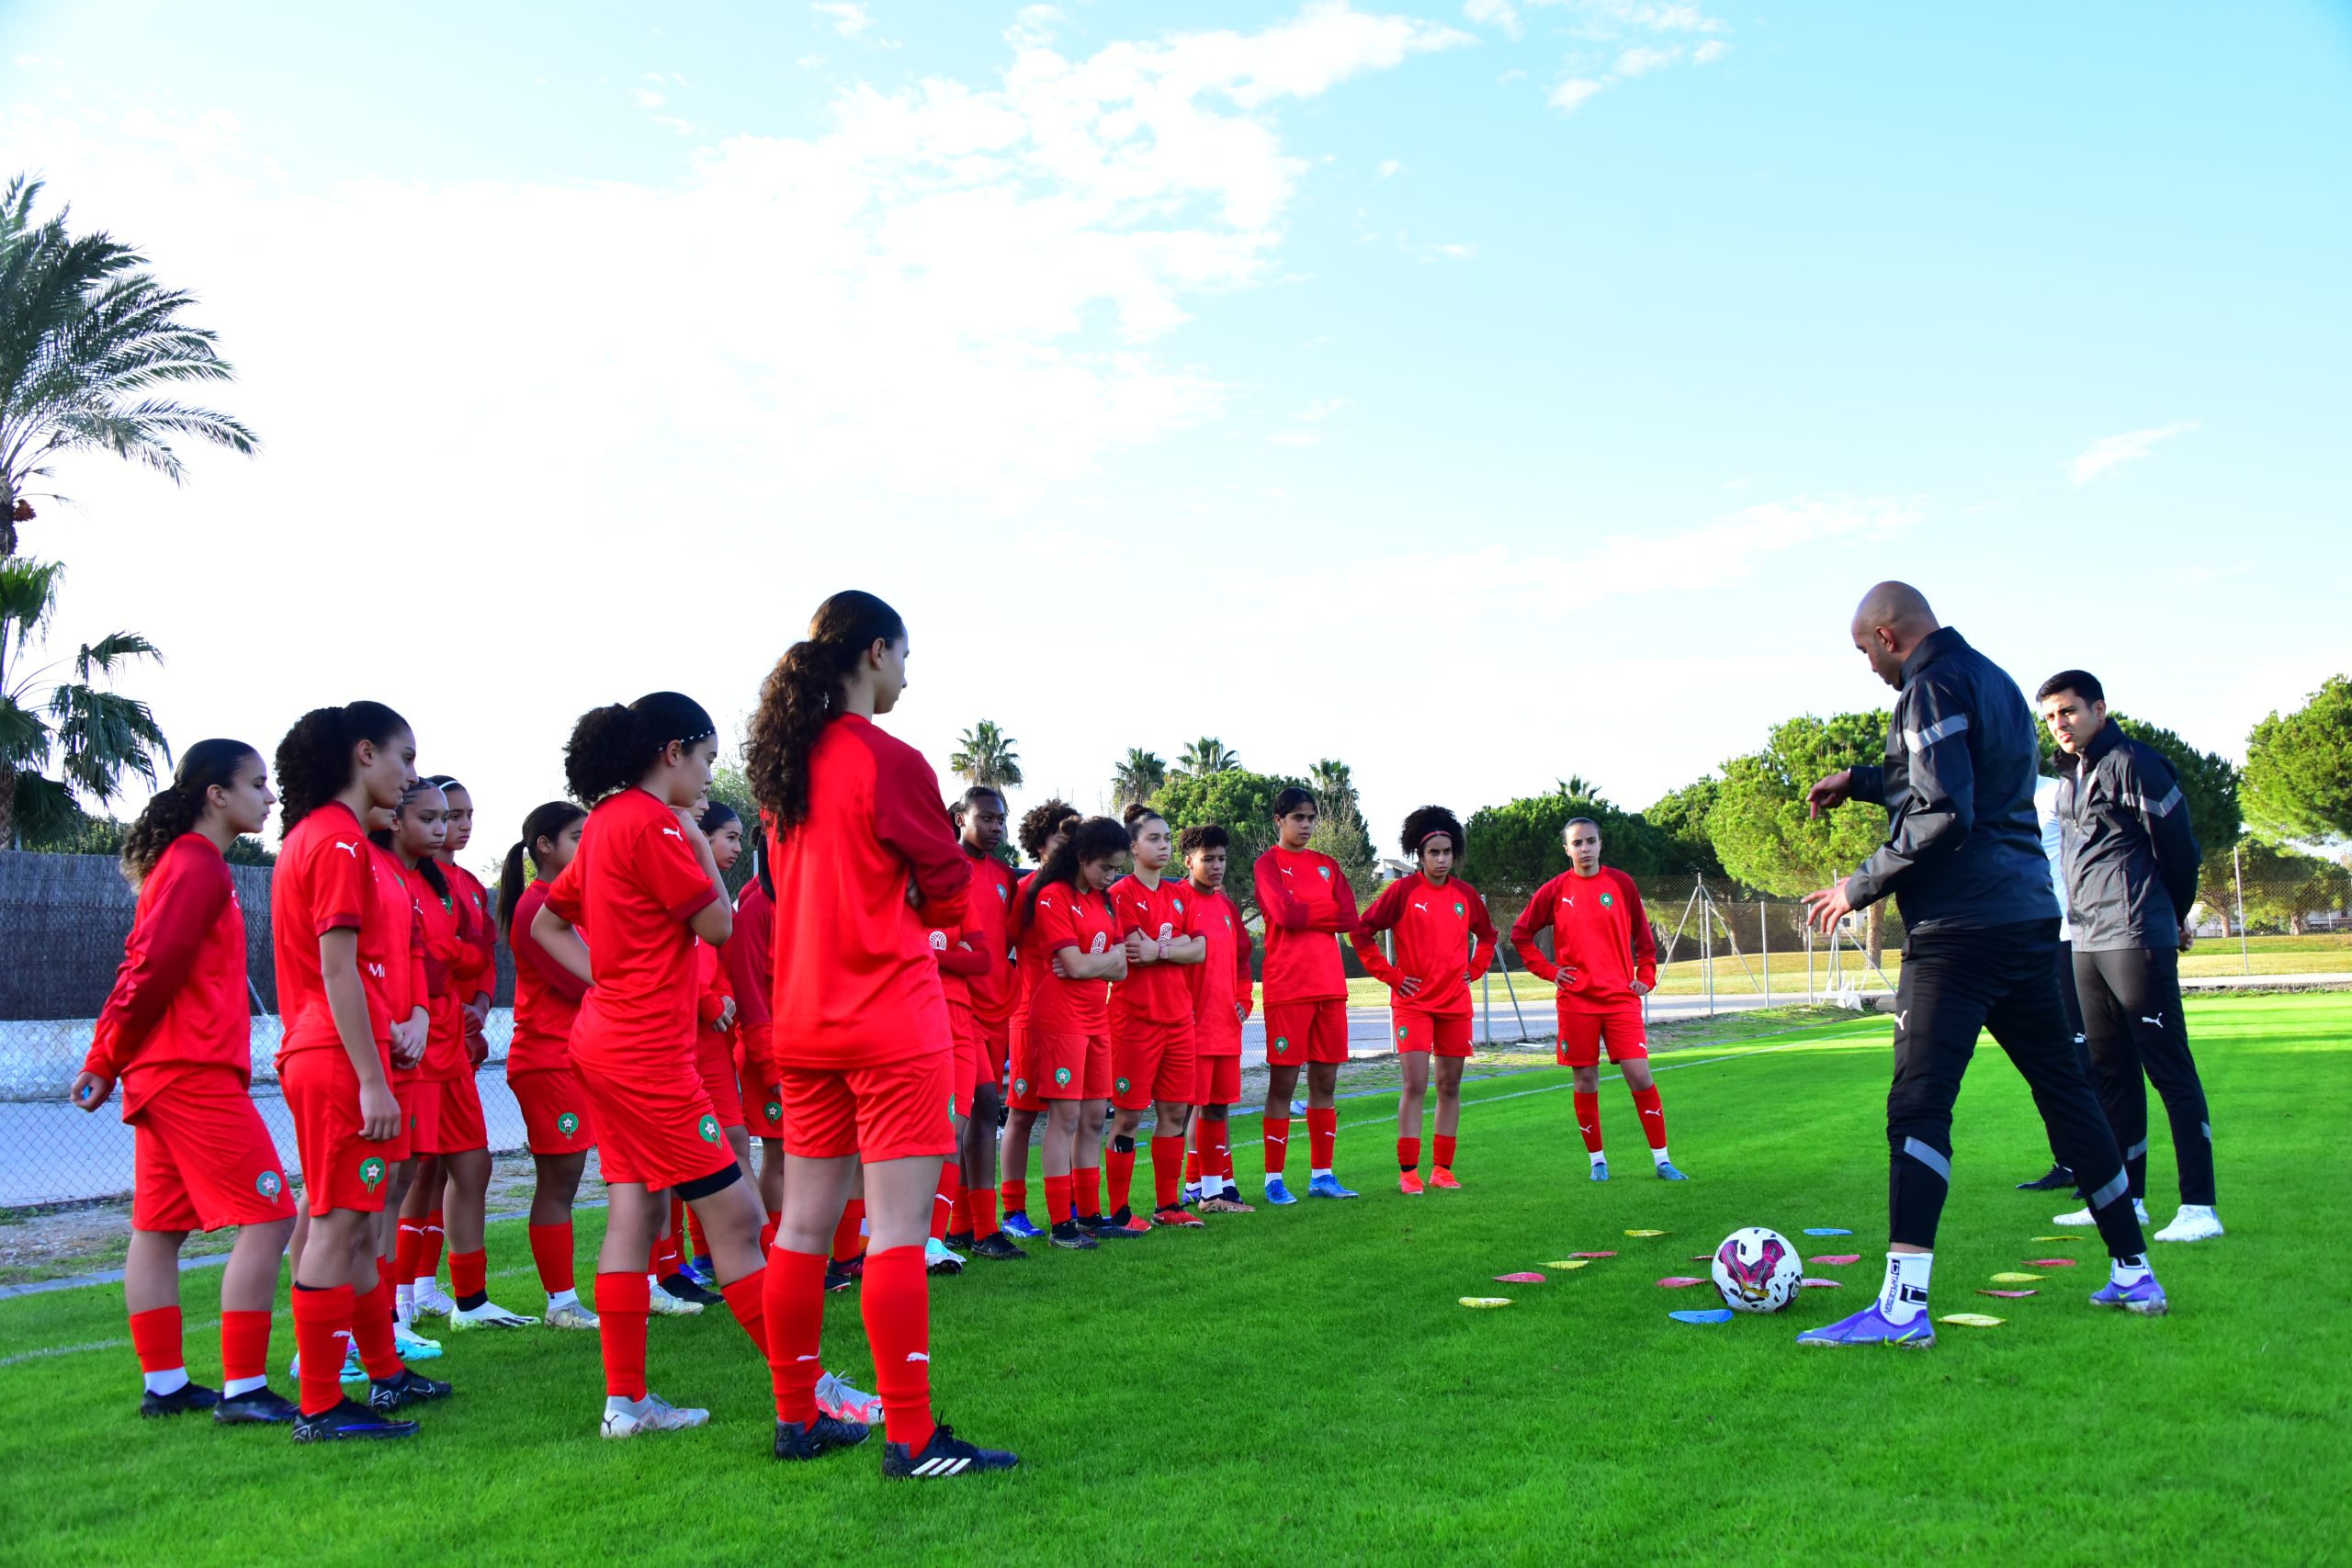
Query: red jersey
column 179, row 998
column 750, row 955
column 1306, row 901
column 1065, row 918
column 1599, row 931
column 713, row 989
column 446, row 949
column 324, row 880
column 855, row 981
column 546, row 995
column 403, row 982
column 476, row 974
column 1443, row 935
column 988, row 930
column 1221, row 981
column 958, row 961
column 1155, row 993
column 631, row 888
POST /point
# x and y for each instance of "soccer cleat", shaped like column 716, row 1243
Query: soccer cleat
column 1178, row 1218
column 1326, row 1186
column 490, row 1315
column 1409, row 1184
column 1277, row 1193
column 1191, row 1192
column 348, row 1421
column 2084, row 1217
column 1021, row 1227
column 1666, row 1172
column 701, row 1271
column 841, row 1276
column 1121, row 1226
column 687, row 1290
column 997, row 1247
column 431, row 1300
column 387, row 1394
column 1600, row 1171
column 354, row 1371
column 662, row 1303
column 1442, row 1179
column 821, row 1436
column 180, row 1401
column 628, row 1418
column 2196, row 1221
column 2143, row 1297
column 947, row 1454
column 1225, row 1205
column 961, row 1241
column 1066, row 1233
column 937, row 1258
column 1298, row 1108
column 1870, row 1326
column 255, row 1408
column 572, row 1314
column 842, row 1403
column 2051, row 1181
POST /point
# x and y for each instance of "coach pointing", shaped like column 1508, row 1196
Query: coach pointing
column 1962, row 858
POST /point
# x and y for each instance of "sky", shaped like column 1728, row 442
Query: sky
column 1476, row 393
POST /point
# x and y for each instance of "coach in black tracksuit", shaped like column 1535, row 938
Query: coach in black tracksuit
column 1962, row 858
column 2131, row 858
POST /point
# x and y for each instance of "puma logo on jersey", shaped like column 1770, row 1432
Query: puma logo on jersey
column 1424, row 909
column 2158, row 1020
column 351, row 849
column 673, row 833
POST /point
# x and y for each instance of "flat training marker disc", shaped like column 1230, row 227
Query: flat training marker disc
column 1645, row 1233
column 1826, row 1230
column 1518, row 1279
column 1971, row 1320
column 1592, row 1255
column 1569, row 1263
column 2049, row 1263
column 2069, row 1238
column 1835, row 1259
column 1677, row 1282
column 1812, row 1284
column 1708, row 1314
column 2011, row 1276
column 2009, row 1295
column 1486, row 1301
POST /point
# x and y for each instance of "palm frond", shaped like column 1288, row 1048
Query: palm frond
column 24, row 735
column 115, row 648
column 102, row 736
column 44, row 808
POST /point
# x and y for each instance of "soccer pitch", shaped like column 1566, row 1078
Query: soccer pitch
column 1301, row 1384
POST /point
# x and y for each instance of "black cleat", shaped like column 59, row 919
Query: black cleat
column 1066, row 1233
column 1120, row 1227
column 180, row 1401
column 683, row 1286
column 387, row 1394
column 818, row 1438
column 947, row 1454
column 997, row 1246
column 839, row 1276
column 960, row 1240
column 255, row 1407
column 2058, row 1176
column 347, row 1422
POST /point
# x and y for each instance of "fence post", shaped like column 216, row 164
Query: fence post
column 1707, row 945
column 1764, row 940
column 1487, row 1004
column 2237, row 880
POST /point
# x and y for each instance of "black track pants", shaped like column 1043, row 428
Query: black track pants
column 2074, row 1006
column 2131, row 1017
column 2004, row 979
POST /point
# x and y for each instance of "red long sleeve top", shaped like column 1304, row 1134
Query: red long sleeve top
column 714, row 989
column 447, row 948
column 1443, row 935
column 987, row 930
column 1306, row 901
column 749, row 955
column 178, row 1002
column 1220, row 982
column 959, row 961
column 546, row 995
column 476, row 973
column 327, row 879
column 1599, row 934
column 1155, row 993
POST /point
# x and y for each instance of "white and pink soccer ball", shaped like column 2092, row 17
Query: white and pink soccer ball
column 1758, row 1269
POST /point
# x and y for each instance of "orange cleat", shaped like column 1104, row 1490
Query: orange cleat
column 1443, row 1177
column 1178, row 1218
column 1409, row 1184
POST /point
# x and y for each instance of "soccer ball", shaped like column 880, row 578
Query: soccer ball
column 1756, row 1269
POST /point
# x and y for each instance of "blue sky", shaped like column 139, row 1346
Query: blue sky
column 1479, row 393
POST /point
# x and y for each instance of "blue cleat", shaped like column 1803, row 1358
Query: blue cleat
column 2145, row 1297
column 1666, row 1172
column 1600, row 1171
column 1870, row 1326
column 701, row 1271
column 1278, row 1194
column 1019, row 1223
column 1326, row 1186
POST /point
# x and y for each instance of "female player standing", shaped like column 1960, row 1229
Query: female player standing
column 556, row 1124
column 643, row 887
column 1152, row 1062
column 1306, row 901
column 1444, row 938
column 176, row 1030
column 750, row 956
column 719, row 1013
column 1043, row 827
column 862, row 1040
column 1221, row 1004
column 987, row 928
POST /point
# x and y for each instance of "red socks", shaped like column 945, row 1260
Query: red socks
column 767, row 1232
column 552, row 1250
column 428, row 1249
column 747, row 1299
column 1409, row 1154
column 1086, row 1190
column 468, row 1275
column 982, row 1201
column 371, row 1330
column 155, row 1339
column 1121, row 1166
column 1192, row 1167
column 1216, row 1153
column 1016, row 1196
column 244, row 1345
column 1445, row 1160
column 408, row 1249
column 943, row 1203
column 1588, row 1120
column 848, row 1237
column 1058, row 1207
column 1322, row 1136
column 321, row 1318
column 793, row 1306
column 1277, row 1143
column 695, row 1232
column 620, row 1311
column 665, row 1257
column 1645, row 1101
column 1167, row 1172
column 896, row 1299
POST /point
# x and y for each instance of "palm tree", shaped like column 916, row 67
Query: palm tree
column 1207, row 755
column 1333, row 784
column 1137, row 777
column 984, row 756
column 87, row 341
column 95, row 733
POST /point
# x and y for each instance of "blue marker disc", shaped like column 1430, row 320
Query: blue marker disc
column 1707, row 1314
column 1826, row 1230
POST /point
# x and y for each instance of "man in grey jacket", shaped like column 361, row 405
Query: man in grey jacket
column 2131, row 857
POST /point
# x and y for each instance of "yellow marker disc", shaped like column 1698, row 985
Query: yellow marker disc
column 1972, row 1320
column 1568, row 1263
column 2013, row 1278
column 1486, row 1301
column 2057, row 1238
column 1645, row 1233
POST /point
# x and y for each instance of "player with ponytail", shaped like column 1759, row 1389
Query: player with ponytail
column 175, row 1031
column 1044, row 828
column 863, row 864
column 1305, row 899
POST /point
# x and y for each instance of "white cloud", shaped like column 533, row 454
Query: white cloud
column 1457, row 252
column 2112, row 451
column 1715, row 49
column 1644, row 57
column 1650, row 35
column 1495, row 13
column 1295, row 438
column 1033, row 27
column 1390, row 168
column 647, row 98
column 1322, row 408
column 1571, row 92
column 850, row 18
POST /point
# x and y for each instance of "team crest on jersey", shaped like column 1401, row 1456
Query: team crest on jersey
column 1122, row 1086
column 1458, row 908
column 567, row 1123
column 371, row 1173
column 269, row 1184
column 1324, row 872
column 708, row 1128
column 1167, row 931
column 1179, row 905
column 1100, row 942
column 1606, row 900
column 1061, row 1078
column 1003, row 893
column 939, row 942
column 774, row 1110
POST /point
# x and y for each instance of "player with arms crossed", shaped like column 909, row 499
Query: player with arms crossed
column 1221, row 1004
column 1043, row 829
column 1152, row 1062
column 1604, row 961
column 987, row 928
column 1306, row 902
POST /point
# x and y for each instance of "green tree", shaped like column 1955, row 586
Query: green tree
column 87, row 342
column 1242, row 803
column 1515, row 847
column 2284, row 887
column 1340, row 831
column 2298, row 769
column 1207, row 755
column 1758, row 825
column 1137, row 777
column 91, row 733
column 730, row 786
column 1682, row 817
column 984, row 756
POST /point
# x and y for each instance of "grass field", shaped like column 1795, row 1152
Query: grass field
column 1301, row 1384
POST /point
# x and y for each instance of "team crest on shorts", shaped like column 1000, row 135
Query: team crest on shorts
column 567, row 1123
column 1123, row 1085
column 1061, row 1078
column 774, row 1110
column 269, row 1184
column 1402, row 1031
column 371, row 1173
column 1020, row 1086
column 708, row 1128
column 1282, row 1045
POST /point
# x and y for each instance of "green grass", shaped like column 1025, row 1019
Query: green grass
column 1301, row 1385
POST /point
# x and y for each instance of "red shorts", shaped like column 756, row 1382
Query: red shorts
column 996, row 1050
column 969, row 1049
column 203, row 1159
column 763, row 1106
column 1447, row 1034
column 1583, row 1033
column 1306, row 1032
column 655, row 1129
column 892, row 1111
column 1151, row 1061
column 340, row 1168
column 1216, row 1080
column 715, row 1061
column 1058, row 1065
column 555, row 1112
column 457, row 1123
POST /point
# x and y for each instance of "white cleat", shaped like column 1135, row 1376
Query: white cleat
column 490, row 1315
column 938, row 1257
column 432, row 1301
column 2196, row 1221
column 571, row 1314
column 2082, row 1216
column 842, row 1403
column 628, row 1418
column 662, row 1303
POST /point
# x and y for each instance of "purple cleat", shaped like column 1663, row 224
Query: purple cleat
column 2145, row 1297
column 1870, row 1326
